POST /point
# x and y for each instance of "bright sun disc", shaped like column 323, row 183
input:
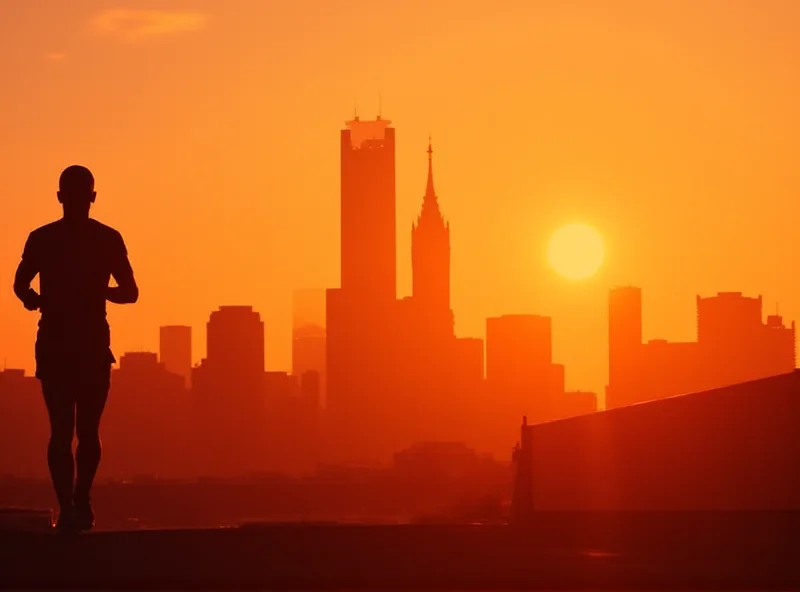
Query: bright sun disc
column 576, row 251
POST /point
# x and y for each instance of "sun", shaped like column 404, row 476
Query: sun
column 576, row 251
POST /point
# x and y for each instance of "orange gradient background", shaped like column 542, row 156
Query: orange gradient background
column 212, row 127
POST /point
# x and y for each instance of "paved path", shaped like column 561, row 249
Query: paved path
column 376, row 557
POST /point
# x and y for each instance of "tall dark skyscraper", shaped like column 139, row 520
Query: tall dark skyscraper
column 360, row 315
column 430, row 261
column 368, row 219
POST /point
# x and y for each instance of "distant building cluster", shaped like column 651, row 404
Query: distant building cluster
column 733, row 345
column 373, row 374
column 396, row 372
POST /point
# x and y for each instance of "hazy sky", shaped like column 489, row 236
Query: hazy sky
column 213, row 126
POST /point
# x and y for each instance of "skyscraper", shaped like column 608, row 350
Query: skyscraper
column 368, row 219
column 780, row 345
column 360, row 323
column 175, row 350
column 737, row 345
column 235, row 339
column 624, row 344
column 430, row 262
column 729, row 318
column 228, row 392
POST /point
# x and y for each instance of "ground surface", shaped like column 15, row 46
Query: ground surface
column 556, row 553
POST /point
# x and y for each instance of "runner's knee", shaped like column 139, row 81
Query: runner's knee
column 61, row 435
column 88, row 432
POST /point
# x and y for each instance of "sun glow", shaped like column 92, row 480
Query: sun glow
column 576, row 251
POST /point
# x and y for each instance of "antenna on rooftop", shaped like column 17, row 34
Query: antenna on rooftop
column 380, row 105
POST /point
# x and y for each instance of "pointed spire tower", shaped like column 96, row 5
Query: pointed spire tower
column 430, row 204
column 430, row 258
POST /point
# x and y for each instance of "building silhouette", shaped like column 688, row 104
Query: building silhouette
column 175, row 350
column 521, row 377
column 576, row 403
column 235, row 340
column 228, row 394
column 372, row 373
column 733, row 345
column 669, row 368
column 309, row 336
column 396, row 372
column 360, row 315
column 430, row 263
column 431, row 359
column 469, row 362
column 624, row 344
column 146, row 426
column 737, row 345
column 519, row 350
column 780, row 345
column 24, row 428
column 368, row 219
column 292, row 422
column 519, row 365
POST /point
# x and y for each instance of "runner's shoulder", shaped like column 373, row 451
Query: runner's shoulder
column 44, row 235
column 105, row 231
column 47, row 230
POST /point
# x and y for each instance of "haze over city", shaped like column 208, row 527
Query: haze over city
column 212, row 129
column 361, row 294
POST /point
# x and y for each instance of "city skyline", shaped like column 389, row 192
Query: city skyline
column 430, row 196
column 681, row 197
column 391, row 371
column 276, row 421
column 494, row 293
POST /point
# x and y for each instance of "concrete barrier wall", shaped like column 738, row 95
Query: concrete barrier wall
column 736, row 448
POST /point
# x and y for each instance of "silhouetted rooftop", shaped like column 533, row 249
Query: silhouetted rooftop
column 362, row 131
column 236, row 308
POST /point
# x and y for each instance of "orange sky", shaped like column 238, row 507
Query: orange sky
column 213, row 127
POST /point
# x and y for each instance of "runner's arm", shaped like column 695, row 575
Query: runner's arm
column 126, row 291
column 26, row 271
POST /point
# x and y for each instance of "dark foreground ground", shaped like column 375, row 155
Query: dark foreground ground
column 667, row 552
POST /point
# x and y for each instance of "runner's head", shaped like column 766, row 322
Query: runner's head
column 76, row 189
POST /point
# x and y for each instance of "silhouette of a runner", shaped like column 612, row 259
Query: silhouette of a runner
column 75, row 258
